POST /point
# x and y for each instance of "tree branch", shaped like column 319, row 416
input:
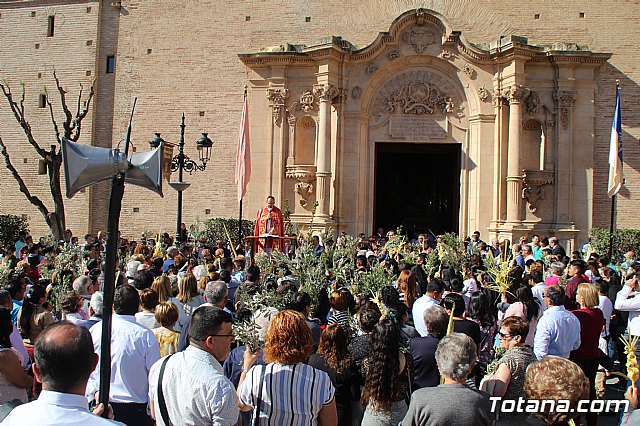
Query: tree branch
column 18, row 113
column 23, row 187
column 53, row 120
column 63, row 100
column 82, row 114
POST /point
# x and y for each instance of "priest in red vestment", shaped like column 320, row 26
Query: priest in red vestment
column 269, row 221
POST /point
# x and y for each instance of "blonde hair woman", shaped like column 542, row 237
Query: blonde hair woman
column 188, row 294
column 167, row 316
column 587, row 356
column 162, row 286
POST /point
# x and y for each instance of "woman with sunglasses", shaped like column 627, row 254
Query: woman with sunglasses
column 508, row 379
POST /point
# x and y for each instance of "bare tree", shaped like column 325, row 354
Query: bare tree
column 52, row 157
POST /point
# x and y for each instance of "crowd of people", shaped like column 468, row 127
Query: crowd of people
column 428, row 349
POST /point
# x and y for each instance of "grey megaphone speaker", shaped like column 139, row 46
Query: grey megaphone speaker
column 85, row 165
column 146, row 170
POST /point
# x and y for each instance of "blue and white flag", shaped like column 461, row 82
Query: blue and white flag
column 615, row 150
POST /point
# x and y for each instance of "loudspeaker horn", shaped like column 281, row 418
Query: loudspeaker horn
column 85, row 165
column 146, row 170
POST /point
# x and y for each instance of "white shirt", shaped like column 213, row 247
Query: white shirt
column 557, row 333
column 419, row 307
column 195, row 390
column 18, row 344
column 606, row 307
column 632, row 306
column 470, row 286
column 148, row 319
column 538, row 291
column 134, row 349
column 55, row 408
column 182, row 316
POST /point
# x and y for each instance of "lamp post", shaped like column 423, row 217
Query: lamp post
column 181, row 162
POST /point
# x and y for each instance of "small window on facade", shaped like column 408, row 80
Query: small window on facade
column 111, row 64
column 42, row 100
column 51, row 25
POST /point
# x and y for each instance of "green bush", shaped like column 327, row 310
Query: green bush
column 10, row 226
column 214, row 229
column 623, row 240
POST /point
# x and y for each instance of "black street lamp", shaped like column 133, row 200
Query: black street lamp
column 182, row 162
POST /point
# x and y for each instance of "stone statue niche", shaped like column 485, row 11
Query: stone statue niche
column 537, row 182
column 305, row 146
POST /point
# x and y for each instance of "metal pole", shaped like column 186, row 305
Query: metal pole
column 180, row 171
column 613, row 214
column 240, row 225
column 115, row 206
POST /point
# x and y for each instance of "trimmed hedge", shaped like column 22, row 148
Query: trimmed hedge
column 10, row 226
column 624, row 240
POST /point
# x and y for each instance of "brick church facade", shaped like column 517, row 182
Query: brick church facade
column 461, row 115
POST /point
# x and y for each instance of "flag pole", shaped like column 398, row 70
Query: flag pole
column 617, row 128
column 244, row 99
column 613, row 215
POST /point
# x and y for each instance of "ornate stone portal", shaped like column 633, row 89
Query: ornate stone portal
column 422, row 83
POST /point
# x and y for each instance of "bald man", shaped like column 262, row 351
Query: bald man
column 64, row 360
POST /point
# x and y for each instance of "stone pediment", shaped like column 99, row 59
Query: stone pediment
column 422, row 32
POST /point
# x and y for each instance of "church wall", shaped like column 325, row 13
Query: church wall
column 182, row 57
column 28, row 56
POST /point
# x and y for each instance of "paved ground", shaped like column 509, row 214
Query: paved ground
column 610, row 394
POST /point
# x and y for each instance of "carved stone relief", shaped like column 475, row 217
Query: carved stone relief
column 277, row 98
column 468, row 70
column 516, row 93
column 371, row 69
column 306, row 101
column 304, row 189
column 419, row 37
column 394, row 54
column 531, row 103
column 566, row 99
column 325, row 92
column 417, row 93
column 533, row 182
column 447, row 54
column 483, row 94
column 356, row 92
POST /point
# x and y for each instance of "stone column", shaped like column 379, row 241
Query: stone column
column 563, row 166
column 516, row 95
column 498, row 150
column 325, row 94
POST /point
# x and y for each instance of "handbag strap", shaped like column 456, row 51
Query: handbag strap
column 162, row 405
column 256, row 416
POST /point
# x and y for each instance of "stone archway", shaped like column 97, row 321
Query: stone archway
column 414, row 106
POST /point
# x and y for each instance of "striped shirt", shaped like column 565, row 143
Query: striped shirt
column 291, row 394
column 338, row 317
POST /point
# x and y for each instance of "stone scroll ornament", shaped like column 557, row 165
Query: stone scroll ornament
column 277, row 99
